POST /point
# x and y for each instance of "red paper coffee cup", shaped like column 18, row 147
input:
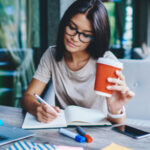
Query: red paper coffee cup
column 106, row 68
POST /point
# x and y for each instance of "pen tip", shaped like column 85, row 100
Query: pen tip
column 89, row 139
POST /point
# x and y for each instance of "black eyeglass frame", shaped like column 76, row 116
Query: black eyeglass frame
column 79, row 33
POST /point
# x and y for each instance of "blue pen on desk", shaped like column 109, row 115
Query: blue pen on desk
column 76, row 137
column 87, row 136
column 43, row 101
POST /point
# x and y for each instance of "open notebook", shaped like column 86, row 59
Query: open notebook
column 71, row 116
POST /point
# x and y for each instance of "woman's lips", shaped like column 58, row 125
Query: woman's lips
column 71, row 44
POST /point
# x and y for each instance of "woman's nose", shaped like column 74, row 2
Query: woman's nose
column 75, row 37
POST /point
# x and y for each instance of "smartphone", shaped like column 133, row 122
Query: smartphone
column 131, row 131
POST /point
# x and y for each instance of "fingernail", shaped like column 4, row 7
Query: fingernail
column 109, row 79
column 108, row 87
column 131, row 93
column 117, row 71
column 123, row 92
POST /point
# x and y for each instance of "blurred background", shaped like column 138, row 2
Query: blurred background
column 28, row 27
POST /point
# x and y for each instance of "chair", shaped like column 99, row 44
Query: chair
column 16, row 71
column 49, row 95
column 137, row 74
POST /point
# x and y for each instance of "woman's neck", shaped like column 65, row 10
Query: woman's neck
column 76, row 61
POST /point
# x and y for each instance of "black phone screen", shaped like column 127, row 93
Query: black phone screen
column 131, row 131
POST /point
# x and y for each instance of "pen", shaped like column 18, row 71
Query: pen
column 76, row 137
column 43, row 101
column 87, row 136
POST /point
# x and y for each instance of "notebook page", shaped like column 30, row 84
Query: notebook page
column 80, row 115
column 30, row 122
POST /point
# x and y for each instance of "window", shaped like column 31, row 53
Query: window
column 16, row 61
column 121, row 22
column 111, row 13
column 12, row 23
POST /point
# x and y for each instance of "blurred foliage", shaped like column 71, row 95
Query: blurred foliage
column 2, row 38
column 111, row 13
column 33, row 23
column 3, row 15
column 5, row 18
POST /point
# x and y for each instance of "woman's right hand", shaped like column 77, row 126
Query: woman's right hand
column 44, row 114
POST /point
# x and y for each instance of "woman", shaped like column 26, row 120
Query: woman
column 83, row 36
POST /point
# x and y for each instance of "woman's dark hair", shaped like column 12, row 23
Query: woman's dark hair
column 97, row 15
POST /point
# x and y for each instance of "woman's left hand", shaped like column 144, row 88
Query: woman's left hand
column 121, row 94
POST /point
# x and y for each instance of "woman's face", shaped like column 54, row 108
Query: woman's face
column 78, row 34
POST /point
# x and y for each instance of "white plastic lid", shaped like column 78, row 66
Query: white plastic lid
column 110, row 62
column 103, row 94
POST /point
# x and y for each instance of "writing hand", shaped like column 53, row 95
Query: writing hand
column 44, row 114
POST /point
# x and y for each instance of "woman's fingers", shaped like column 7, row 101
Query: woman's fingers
column 44, row 114
column 120, row 80
column 131, row 94
column 123, row 89
column 45, row 120
column 116, row 81
column 57, row 109
column 42, row 118
column 120, row 75
column 48, row 111
column 118, row 88
column 120, row 85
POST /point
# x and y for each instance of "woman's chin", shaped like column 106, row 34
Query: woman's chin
column 71, row 49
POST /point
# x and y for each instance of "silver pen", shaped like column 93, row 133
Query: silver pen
column 43, row 101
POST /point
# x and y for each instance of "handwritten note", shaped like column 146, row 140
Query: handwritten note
column 114, row 146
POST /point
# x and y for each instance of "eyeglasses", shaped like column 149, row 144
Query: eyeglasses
column 83, row 37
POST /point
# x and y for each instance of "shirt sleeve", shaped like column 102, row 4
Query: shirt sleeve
column 43, row 72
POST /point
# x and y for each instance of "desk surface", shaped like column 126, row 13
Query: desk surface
column 102, row 136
